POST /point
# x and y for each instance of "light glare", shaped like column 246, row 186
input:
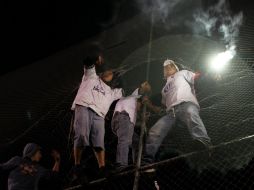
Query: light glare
column 221, row 59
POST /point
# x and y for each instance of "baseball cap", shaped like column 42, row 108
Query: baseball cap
column 170, row 62
column 30, row 149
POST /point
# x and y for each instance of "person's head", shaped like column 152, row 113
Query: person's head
column 37, row 156
column 145, row 88
column 107, row 75
column 169, row 68
column 94, row 55
column 32, row 151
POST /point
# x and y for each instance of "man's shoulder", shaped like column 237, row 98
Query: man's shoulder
column 11, row 163
column 16, row 159
column 184, row 72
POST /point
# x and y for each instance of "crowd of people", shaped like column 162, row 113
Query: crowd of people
column 96, row 93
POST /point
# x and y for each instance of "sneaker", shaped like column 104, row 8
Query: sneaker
column 201, row 144
column 76, row 170
column 102, row 173
column 78, row 176
column 147, row 162
column 119, row 169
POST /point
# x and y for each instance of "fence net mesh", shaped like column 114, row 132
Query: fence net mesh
column 227, row 106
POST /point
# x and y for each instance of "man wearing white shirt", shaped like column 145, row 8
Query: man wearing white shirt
column 91, row 104
column 123, row 123
column 178, row 96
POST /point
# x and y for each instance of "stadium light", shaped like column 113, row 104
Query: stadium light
column 222, row 59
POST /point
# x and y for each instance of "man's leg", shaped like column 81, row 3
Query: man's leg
column 100, row 156
column 81, row 139
column 124, row 131
column 190, row 116
column 77, row 155
column 97, row 138
column 156, row 135
column 81, row 132
column 135, row 143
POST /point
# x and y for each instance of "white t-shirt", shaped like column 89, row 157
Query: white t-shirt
column 129, row 104
column 179, row 88
column 94, row 93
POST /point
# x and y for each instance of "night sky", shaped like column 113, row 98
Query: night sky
column 36, row 29
column 33, row 30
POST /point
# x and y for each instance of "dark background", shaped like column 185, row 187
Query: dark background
column 35, row 101
column 36, row 29
column 33, row 30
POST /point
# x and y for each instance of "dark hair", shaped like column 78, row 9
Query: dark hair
column 92, row 52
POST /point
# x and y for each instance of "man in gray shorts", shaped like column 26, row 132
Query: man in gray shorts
column 91, row 104
column 89, row 128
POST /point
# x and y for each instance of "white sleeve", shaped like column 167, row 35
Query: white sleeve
column 73, row 106
column 135, row 92
column 189, row 76
column 117, row 93
column 89, row 73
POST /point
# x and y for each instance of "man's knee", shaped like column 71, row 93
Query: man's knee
column 98, row 149
column 79, row 141
column 154, row 133
column 123, row 139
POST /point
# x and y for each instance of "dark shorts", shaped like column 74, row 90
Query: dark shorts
column 89, row 128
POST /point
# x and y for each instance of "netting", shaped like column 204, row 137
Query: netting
column 35, row 106
column 226, row 109
column 229, row 121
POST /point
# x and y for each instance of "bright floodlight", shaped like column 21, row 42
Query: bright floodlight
column 221, row 59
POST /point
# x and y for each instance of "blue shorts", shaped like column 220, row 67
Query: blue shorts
column 89, row 129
